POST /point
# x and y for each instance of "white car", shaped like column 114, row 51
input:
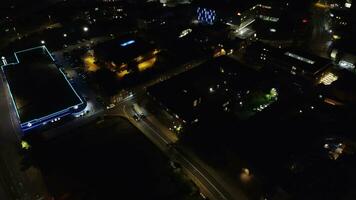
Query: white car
column 110, row 106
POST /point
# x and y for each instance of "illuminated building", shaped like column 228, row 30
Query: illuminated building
column 273, row 22
column 40, row 91
column 328, row 78
column 89, row 63
column 340, row 4
column 338, row 87
column 344, row 54
column 127, row 55
column 295, row 63
column 206, row 15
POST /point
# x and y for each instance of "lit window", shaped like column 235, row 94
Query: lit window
column 328, row 79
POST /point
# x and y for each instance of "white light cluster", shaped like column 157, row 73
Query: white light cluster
column 185, row 32
column 269, row 18
column 328, row 79
column 306, row 60
column 346, row 65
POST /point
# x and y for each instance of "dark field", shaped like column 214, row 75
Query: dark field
column 109, row 160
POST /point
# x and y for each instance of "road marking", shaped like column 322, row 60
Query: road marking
column 165, row 141
column 196, row 169
column 190, row 163
column 181, row 155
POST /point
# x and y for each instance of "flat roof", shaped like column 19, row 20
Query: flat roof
column 179, row 92
column 122, row 50
column 305, row 61
column 37, row 86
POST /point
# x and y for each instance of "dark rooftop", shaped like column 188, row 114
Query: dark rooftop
column 123, row 49
column 302, row 60
column 211, row 84
column 37, row 86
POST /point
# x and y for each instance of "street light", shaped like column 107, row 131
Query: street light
column 65, row 35
column 245, row 175
column 25, row 145
column 43, row 42
column 85, row 29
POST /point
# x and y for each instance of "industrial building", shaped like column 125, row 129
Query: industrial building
column 299, row 63
column 276, row 23
column 40, row 91
column 295, row 63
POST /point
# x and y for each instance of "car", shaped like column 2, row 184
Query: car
column 175, row 165
column 110, row 106
column 136, row 117
column 203, row 196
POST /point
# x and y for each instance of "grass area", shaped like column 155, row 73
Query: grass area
column 256, row 102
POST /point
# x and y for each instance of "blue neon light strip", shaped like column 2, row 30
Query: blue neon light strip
column 127, row 43
column 30, row 49
column 40, row 121
column 53, row 115
column 8, row 87
column 75, row 92
column 27, row 128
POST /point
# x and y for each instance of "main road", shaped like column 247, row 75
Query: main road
column 209, row 183
column 15, row 184
column 320, row 39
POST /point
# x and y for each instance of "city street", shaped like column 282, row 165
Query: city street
column 163, row 138
column 210, row 186
column 321, row 38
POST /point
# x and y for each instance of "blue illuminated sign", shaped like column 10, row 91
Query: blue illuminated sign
column 127, row 43
column 206, row 16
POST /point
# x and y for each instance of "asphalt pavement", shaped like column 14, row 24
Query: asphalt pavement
column 160, row 136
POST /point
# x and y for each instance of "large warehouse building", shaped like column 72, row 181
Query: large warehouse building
column 40, row 91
